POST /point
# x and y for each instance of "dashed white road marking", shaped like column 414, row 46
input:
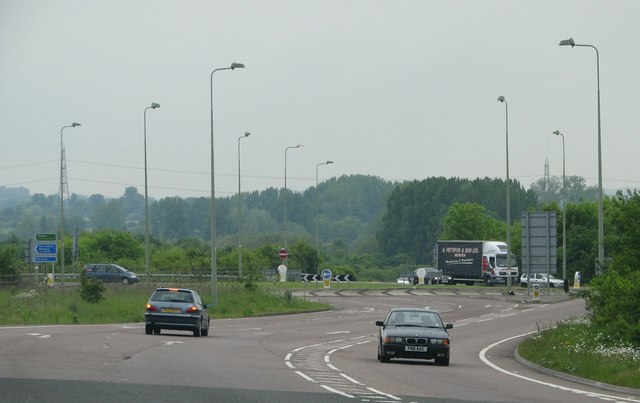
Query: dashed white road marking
column 39, row 335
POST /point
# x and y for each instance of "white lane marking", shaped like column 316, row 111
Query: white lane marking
column 343, row 384
column 170, row 343
column 483, row 357
column 350, row 379
column 308, row 378
column 330, row 389
column 384, row 394
column 39, row 335
column 340, row 332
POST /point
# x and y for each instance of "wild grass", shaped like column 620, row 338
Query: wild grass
column 578, row 348
column 126, row 304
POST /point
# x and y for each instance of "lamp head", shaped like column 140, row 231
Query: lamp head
column 74, row 124
column 247, row 134
column 557, row 132
column 299, row 146
column 501, row 98
column 155, row 105
column 235, row 65
column 329, row 162
column 567, row 42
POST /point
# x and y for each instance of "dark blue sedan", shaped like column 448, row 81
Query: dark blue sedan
column 414, row 333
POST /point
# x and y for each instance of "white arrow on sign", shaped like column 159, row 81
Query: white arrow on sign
column 46, row 248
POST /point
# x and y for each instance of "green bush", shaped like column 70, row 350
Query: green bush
column 9, row 264
column 614, row 305
column 91, row 290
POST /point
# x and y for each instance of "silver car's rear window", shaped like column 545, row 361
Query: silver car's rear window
column 172, row 296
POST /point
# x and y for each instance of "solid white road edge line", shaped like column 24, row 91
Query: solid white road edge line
column 483, row 357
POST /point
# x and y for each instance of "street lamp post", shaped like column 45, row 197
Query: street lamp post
column 564, row 214
column 506, row 114
column 286, row 246
column 146, row 196
column 317, row 229
column 214, row 264
column 62, row 177
column 246, row 134
column 570, row 42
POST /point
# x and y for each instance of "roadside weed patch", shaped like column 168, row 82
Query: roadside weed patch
column 579, row 348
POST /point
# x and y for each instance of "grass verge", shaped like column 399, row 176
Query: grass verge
column 125, row 304
column 577, row 348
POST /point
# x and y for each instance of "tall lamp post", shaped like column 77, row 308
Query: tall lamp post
column 317, row 230
column 564, row 214
column 286, row 246
column 62, row 182
column 570, row 42
column 214, row 264
column 506, row 114
column 146, row 196
column 246, row 134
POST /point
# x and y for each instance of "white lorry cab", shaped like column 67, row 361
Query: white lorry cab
column 494, row 258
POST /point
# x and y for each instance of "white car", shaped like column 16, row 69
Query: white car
column 541, row 280
column 403, row 280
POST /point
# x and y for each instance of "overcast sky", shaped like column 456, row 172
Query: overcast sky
column 403, row 90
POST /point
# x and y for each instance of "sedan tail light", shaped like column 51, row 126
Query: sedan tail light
column 151, row 308
column 192, row 309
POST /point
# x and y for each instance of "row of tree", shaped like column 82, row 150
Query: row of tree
column 362, row 220
column 343, row 208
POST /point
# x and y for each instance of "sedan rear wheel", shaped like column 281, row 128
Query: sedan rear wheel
column 205, row 331
column 197, row 331
column 148, row 329
column 156, row 330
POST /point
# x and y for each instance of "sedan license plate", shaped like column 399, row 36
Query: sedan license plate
column 415, row 348
column 170, row 310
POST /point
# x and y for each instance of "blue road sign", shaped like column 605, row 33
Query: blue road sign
column 46, row 248
column 326, row 274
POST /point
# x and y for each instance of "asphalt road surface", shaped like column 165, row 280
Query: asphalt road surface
column 314, row 357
